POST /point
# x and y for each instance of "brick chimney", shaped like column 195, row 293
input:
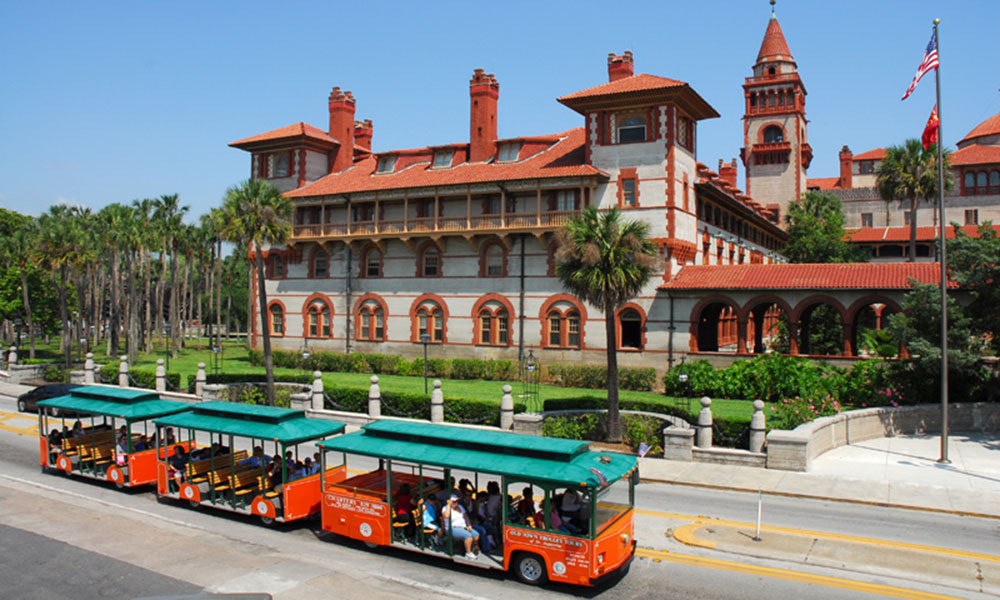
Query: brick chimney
column 483, row 93
column 846, row 163
column 342, row 129
column 620, row 67
column 363, row 131
column 727, row 172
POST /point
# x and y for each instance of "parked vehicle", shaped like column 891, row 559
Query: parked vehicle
column 28, row 402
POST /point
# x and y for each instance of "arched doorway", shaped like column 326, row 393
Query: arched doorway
column 870, row 319
column 767, row 326
column 821, row 329
column 717, row 328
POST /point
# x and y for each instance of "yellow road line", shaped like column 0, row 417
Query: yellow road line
column 30, row 431
column 702, row 520
column 835, row 582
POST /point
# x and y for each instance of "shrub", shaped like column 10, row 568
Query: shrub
column 868, row 383
column 55, row 374
column 792, row 412
column 229, row 378
column 640, row 380
column 596, row 377
column 578, row 427
column 641, row 429
column 701, row 379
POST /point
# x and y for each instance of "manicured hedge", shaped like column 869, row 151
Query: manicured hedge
column 595, row 377
column 392, row 364
column 143, row 378
column 418, row 406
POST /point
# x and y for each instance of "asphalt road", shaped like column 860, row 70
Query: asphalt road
column 295, row 561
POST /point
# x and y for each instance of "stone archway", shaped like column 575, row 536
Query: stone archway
column 763, row 317
column 716, row 325
column 820, row 327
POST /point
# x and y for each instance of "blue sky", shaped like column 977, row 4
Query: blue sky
column 107, row 102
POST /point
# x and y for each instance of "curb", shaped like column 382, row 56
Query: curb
column 946, row 511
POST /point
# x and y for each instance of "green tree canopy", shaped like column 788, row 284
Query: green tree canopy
column 816, row 231
column 606, row 261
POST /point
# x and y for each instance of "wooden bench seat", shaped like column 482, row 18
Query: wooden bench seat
column 220, row 479
column 198, row 470
column 245, row 482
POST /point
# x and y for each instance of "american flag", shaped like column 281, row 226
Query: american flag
column 930, row 62
column 644, row 449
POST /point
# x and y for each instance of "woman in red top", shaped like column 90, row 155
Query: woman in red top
column 404, row 509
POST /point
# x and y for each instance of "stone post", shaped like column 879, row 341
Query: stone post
column 89, row 368
column 437, row 403
column 200, row 378
column 678, row 443
column 161, row 376
column 703, row 439
column 374, row 398
column 123, row 371
column 757, row 429
column 317, row 391
column 12, row 357
column 507, row 409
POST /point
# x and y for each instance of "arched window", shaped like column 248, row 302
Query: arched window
column 430, row 321
column 277, row 267
column 970, row 182
column 994, row 178
column 981, row 179
column 371, row 263
column 773, row 134
column 563, row 328
column 277, row 319
column 631, row 329
column 494, row 326
column 321, row 264
column 318, row 319
column 371, row 322
column 493, row 261
column 429, row 262
column 632, row 129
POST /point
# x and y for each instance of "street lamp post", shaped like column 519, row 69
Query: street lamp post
column 425, row 339
column 683, row 378
column 215, row 350
column 305, row 357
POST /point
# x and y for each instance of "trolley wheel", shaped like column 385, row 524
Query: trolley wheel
column 370, row 545
column 119, row 485
column 194, row 504
column 22, row 406
column 266, row 520
column 530, row 568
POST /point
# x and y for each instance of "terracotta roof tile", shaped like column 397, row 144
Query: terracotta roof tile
column 990, row 126
column 823, row 183
column 876, row 154
column 565, row 158
column 868, row 276
column 635, row 83
column 975, row 155
column 902, row 234
column 774, row 46
column 290, row 131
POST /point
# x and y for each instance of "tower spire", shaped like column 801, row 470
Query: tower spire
column 772, row 9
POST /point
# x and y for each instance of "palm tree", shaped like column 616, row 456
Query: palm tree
column 909, row 172
column 17, row 249
column 144, row 214
column 260, row 215
column 57, row 245
column 605, row 261
column 170, row 218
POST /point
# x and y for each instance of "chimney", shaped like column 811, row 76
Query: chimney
column 727, row 172
column 620, row 67
column 363, row 131
column 846, row 164
column 342, row 129
column 483, row 93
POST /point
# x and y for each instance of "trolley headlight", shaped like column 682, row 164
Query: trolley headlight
column 600, row 558
column 625, row 538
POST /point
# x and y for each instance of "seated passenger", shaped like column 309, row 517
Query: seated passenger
column 121, row 449
column 309, row 467
column 256, row 460
column 455, row 518
column 571, row 505
column 526, row 507
column 169, row 437
column 428, row 512
column 403, row 511
column 142, row 444
column 178, row 465
column 55, row 444
column 275, row 477
column 77, row 428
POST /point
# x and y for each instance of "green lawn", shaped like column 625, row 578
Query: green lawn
column 235, row 359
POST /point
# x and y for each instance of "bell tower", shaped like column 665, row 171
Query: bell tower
column 776, row 151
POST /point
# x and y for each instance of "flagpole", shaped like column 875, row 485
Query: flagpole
column 944, row 271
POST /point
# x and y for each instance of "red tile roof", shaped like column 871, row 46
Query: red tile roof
column 291, row 131
column 823, row 183
column 990, row 126
column 866, row 276
column 774, row 46
column 635, row 83
column 975, row 155
column 876, row 154
column 565, row 158
column 902, row 234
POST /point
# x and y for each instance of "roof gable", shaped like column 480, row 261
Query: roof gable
column 295, row 131
column 641, row 89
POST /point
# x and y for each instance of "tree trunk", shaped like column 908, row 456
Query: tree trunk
column 115, row 306
column 26, row 298
column 199, row 316
column 229, row 315
column 249, row 304
column 133, row 313
column 147, row 335
column 913, row 229
column 64, row 316
column 161, row 293
column 218, row 293
column 262, row 294
column 174, row 300
column 614, row 419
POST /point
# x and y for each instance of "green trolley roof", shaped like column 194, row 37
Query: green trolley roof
column 556, row 461
column 248, row 420
column 123, row 403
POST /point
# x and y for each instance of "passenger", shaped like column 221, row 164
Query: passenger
column 274, row 475
column 121, row 449
column 309, row 468
column 171, row 440
column 526, row 507
column 77, row 428
column 555, row 521
column 403, row 512
column 142, row 444
column 454, row 515
column 482, row 523
column 55, row 444
column 571, row 505
column 178, row 465
column 256, row 460
column 494, row 502
column 289, row 459
column 428, row 512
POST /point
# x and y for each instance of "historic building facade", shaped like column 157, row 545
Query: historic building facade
column 457, row 242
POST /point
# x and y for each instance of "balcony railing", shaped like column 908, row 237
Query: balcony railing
column 424, row 225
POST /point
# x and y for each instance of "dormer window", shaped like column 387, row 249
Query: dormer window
column 508, row 151
column 442, row 159
column 632, row 129
column 386, row 163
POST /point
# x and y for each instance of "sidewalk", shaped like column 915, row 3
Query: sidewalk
column 900, row 472
column 13, row 389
